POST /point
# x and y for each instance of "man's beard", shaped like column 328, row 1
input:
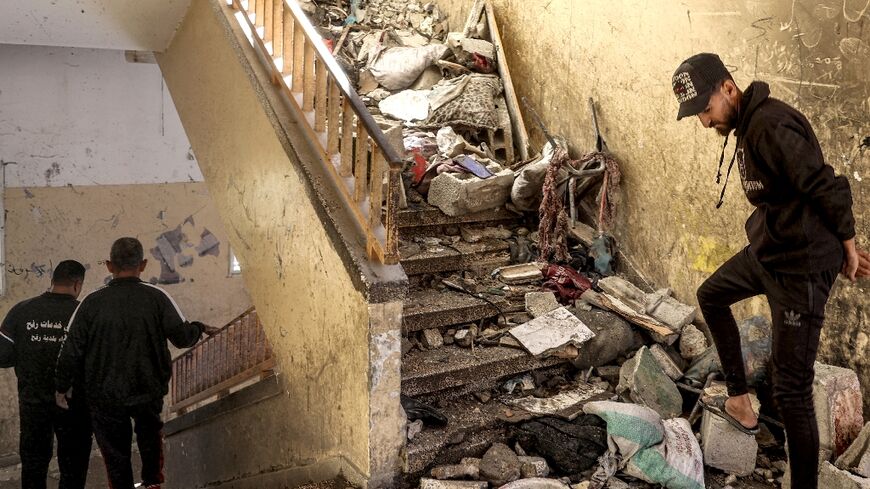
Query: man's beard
column 730, row 121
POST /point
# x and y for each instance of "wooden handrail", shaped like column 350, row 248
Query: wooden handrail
column 351, row 144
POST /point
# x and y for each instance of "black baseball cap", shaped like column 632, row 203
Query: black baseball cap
column 695, row 80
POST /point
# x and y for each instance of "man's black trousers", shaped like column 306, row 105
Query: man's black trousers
column 797, row 307
column 40, row 423
column 113, row 429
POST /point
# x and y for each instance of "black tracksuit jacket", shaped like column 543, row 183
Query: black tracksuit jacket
column 117, row 341
column 803, row 212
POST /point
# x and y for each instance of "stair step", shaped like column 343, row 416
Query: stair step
column 461, row 256
column 424, row 215
column 454, row 370
column 477, row 425
column 432, row 308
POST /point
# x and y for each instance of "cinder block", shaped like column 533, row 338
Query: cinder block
column 649, row 386
column 457, row 194
column 839, row 410
column 724, row 446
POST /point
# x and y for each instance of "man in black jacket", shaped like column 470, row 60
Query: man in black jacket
column 30, row 338
column 801, row 234
column 117, row 340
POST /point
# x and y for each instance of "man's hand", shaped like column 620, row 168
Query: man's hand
column 863, row 264
column 209, row 330
column 61, row 399
column 851, row 261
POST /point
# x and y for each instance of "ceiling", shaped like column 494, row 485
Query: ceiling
column 140, row 25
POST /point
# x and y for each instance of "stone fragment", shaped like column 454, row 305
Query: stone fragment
column 839, row 408
column 668, row 310
column 834, row 478
column 520, row 274
column 730, row 480
column 614, row 337
column 458, row 471
column 536, row 483
column 539, row 467
column 465, row 337
column 483, row 396
column 669, row 367
column 551, row 331
column 540, row 303
column 646, row 384
column 431, row 338
column 857, row 457
column 414, row 428
column 437, row 484
column 567, row 404
column 500, row 465
column 471, row 461
column 724, row 446
column 474, row 234
column 692, row 342
column 457, row 194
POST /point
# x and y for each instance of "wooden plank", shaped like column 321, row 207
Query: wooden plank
column 520, row 134
column 391, row 224
column 376, row 184
column 259, row 7
column 347, row 123
column 233, row 381
column 268, row 10
column 333, row 118
column 287, row 46
column 473, row 17
column 309, row 88
column 321, row 81
column 277, row 28
column 298, row 56
column 361, row 165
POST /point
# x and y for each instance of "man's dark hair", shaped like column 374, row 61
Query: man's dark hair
column 126, row 253
column 67, row 273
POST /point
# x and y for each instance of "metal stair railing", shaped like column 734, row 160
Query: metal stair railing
column 353, row 148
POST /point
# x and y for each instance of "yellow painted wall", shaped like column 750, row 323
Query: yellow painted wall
column 315, row 318
column 49, row 224
column 816, row 56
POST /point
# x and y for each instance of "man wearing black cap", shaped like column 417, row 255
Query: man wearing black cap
column 30, row 338
column 117, row 338
column 801, row 235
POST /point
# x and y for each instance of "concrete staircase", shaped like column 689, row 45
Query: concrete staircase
column 446, row 377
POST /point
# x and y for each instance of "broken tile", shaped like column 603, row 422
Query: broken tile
column 551, row 331
column 500, row 465
column 857, row 457
column 540, row 303
column 649, row 386
column 839, row 408
column 669, row 367
column 437, row 484
column 431, row 338
column 458, row 194
column 692, row 342
column 724, row 446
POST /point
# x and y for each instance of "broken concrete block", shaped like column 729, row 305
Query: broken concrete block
column 830, row 476
column 553, row 330
column 648, row 385
column 625, row 291
column 857, row 457
column 457, row 194
column 839, row 413
column 520, row 274
column 669, row 367
column 668, row 310
column 431, row 338
column 724, row 446
column 437, row 484
column 500, row 465
column 540, row 303
column 458, row 471
column 539, row 467
column 692, row 342
column 614, row 337
column 455, row 40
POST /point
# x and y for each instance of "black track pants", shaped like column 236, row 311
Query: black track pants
column 40, row 423
column 797, row 308
column 113, row 429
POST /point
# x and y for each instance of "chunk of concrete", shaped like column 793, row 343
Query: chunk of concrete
column 458, row 194
column 724, row 446
column 540, row 303
column 431, row 338
column 857, row 457
column 668, row 310
column 834, row 478
column 534, row 467
column 669, row 367
column 551, row 331
column 536, row 483
column 567, row 404
column 438, row 484
column 520, row 274
column 838, row 403
column 500, row 465
column 646, row 384
column 692, row 342
column 458, row 471
column 614, row 337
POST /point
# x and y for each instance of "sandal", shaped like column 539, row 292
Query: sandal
column 716, row 405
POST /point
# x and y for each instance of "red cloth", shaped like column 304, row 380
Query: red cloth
column 567, row 283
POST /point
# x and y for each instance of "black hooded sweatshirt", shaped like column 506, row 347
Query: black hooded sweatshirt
column 117, row 343
column 803, row 212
